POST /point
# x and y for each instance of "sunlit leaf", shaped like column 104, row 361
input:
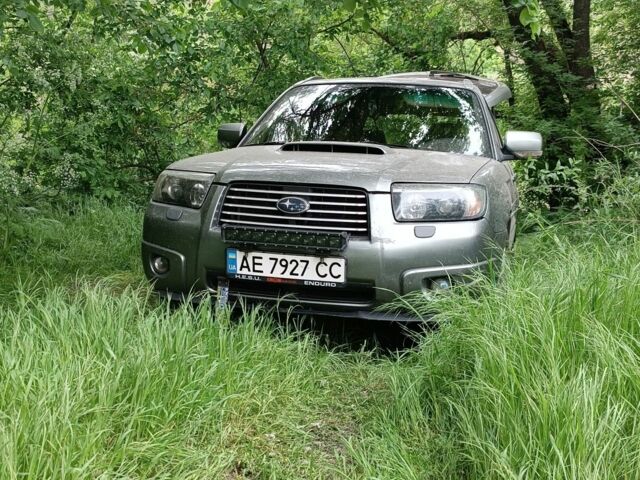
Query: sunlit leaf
column 536, row 29
column 241, row 4
column 525, row 17
column 35, row 23
column 350, row 5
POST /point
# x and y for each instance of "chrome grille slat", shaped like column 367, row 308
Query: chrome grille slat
column 312, row 202
column 257, row 207
column 332, row 208
column 238, row 197
column 336, row 211
column 307, row 227
column 289, row 192
column 308, row 219
column 338, row 203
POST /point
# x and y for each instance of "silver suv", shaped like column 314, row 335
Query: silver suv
column 344, row 194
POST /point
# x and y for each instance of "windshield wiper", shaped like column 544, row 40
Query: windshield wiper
column 397, row 145
column 263, row 143
column 390, row 145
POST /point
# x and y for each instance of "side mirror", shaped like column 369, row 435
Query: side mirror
column 523, row 144
column 230, row 134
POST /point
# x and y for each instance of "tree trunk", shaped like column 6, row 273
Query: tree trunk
column 582, row 64
column 588, row 99
column 564, row 78
column 575, row 44
column 540, row 59
column 508, row 68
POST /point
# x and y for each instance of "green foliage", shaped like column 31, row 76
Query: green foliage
column 108, row 385
column 56, row 244
column 109, row 94
column 98, row 96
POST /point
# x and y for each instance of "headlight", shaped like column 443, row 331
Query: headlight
column 182, row 188
column 420, row 202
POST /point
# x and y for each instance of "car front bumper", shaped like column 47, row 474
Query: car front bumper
column 398, row 258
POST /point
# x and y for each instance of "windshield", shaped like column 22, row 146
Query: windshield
column 425, row 118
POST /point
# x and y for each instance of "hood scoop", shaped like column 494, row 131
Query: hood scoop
column 333, row 147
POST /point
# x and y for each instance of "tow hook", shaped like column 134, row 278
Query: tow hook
column 222, row 295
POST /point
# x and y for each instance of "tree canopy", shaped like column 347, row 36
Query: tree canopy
column 98, row 96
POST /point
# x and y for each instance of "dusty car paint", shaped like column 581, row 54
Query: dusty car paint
column 394, row 258
column 374, row 173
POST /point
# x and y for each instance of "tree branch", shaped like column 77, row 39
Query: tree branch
column 70, row 20
column 560, row 25
column 478, row 35
column 353, row 67
column 508, row 69
column 330, row 28
column 410, row 55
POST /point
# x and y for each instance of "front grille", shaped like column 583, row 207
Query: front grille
column 331, row 209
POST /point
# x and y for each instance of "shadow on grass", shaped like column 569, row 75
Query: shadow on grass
column 351, row 334
column 335, row 333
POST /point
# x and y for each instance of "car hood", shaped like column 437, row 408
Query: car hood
column 267, row 163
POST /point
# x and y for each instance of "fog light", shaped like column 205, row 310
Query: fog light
column 160, row 264
column 440, row 284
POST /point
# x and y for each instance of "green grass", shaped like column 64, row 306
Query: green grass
column 546, row 382
column 535, row 376
column 58, row 246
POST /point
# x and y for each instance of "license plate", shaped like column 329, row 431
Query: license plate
column 286, row 268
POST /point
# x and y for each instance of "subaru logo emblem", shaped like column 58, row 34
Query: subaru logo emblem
column 292, row 205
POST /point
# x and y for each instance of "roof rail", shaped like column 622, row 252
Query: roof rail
column 437, row 73
column 308, row 79
column 493, row 91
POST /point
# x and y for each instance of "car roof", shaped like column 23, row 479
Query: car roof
column 493, row 91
